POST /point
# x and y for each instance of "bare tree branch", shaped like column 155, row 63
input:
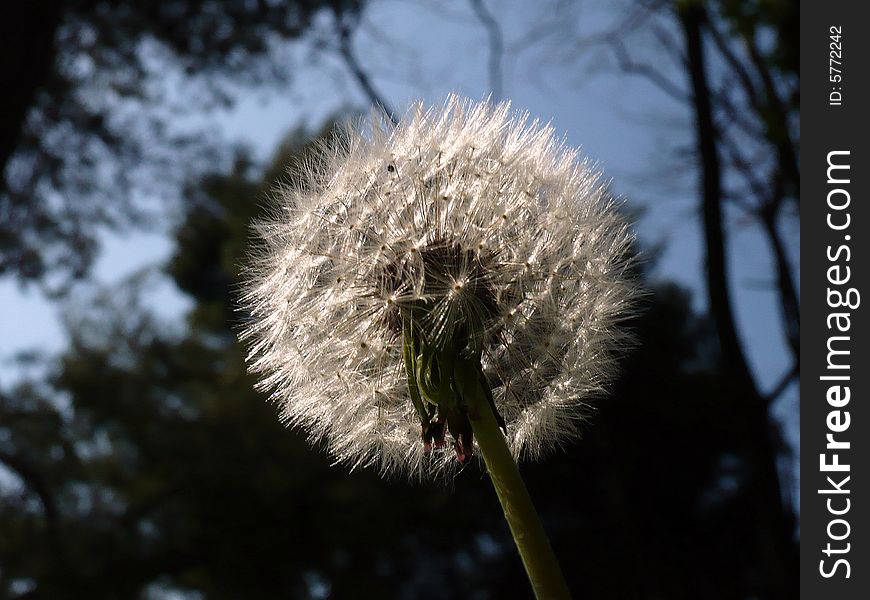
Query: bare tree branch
column 345, row 25
column 783, row 383
column 788, row 297
column 711, row 183
column 785, row 146
column 739, row 69
column 627, row 64
column 745, row 168
column 762, row 439
column 496, row 46
column 768, row 202
column 736, row 116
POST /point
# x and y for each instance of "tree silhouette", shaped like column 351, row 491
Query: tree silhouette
column 91, row 89
column 740, row 84
column 148, row 463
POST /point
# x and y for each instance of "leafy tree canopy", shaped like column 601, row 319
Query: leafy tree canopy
column 89, row 89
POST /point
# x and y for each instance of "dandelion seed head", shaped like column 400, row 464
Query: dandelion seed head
column 479, row 216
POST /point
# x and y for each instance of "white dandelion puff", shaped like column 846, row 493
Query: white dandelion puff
column 464, row 229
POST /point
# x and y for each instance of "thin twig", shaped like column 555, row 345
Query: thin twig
column 629, row 65
column 362, row 78
column 783, row 383
column 496, row 46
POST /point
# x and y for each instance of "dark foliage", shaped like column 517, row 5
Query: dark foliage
column 89, row 89
column 150, row 463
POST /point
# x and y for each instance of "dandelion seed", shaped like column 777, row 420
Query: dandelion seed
column 465, row 233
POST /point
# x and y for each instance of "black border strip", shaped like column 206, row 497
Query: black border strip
column 828, row 256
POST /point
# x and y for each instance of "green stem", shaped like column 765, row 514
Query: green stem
column 531, row 540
